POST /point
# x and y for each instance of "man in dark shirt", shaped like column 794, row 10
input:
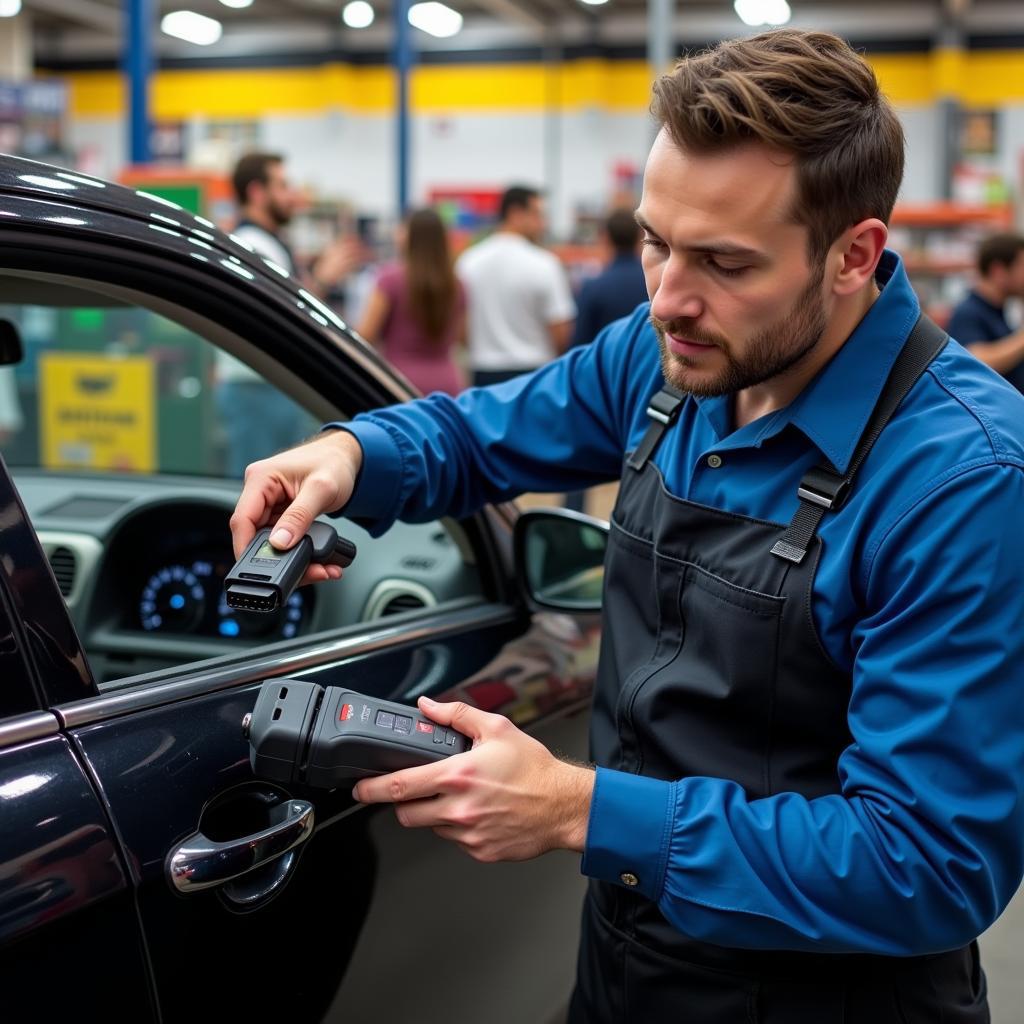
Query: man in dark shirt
column 611, row 295
column 619, row 288
column 979, row 321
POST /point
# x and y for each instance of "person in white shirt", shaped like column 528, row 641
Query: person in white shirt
column 520, row 306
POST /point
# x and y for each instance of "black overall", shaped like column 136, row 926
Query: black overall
column 711, row 666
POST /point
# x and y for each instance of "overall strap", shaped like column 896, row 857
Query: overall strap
column 822, row 489
column 663, row 411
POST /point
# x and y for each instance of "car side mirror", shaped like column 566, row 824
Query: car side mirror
column 559, row 558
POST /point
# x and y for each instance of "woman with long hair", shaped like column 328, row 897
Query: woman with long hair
column 417, row 310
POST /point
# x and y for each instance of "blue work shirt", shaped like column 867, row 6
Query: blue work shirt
column 919, row 596
column 975, row 319
column 612, row 294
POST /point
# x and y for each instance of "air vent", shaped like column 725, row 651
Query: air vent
column 402, row 603
column 62, row 561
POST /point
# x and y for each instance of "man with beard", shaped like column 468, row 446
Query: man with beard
column 267, row 202
column 807, row 727
column 256, row 417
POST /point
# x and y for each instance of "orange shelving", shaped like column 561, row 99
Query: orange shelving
column 952, row 215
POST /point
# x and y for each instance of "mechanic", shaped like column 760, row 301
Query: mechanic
column 979, row 321
column 807, row 723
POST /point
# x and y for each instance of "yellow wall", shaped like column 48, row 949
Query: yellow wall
column 980, row 78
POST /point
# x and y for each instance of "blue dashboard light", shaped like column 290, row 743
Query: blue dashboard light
column 177, row 601
column 228, row 627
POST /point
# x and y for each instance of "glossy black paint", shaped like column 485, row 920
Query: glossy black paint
column 62, row 886
column 37, row 625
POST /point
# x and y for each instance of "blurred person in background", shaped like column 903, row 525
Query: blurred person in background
column 520, row 306
column 416, row 312
column 979, row 321
column 619, row 288
column 612, row 294
column 254, row 415
column 267, row 202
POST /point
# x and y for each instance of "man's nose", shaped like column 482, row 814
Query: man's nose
column 676, row 295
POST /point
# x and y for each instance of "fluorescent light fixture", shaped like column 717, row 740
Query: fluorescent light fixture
column 762, row 12
column 357, row 14
column 9, row 8
column 237, row 3
column 435, row 18
column 192, row 27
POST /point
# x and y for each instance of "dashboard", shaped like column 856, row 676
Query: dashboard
column 141, row 562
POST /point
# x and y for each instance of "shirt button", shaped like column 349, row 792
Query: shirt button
column 714, row 461
column 628, row 878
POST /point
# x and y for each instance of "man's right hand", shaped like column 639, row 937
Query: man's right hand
column 288, row 491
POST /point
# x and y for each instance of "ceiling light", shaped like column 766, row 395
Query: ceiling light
column 435, row 18
column 9, row 8
column 237, row 3
column 357, row 14
column 192, row 27
column 762, row 12
column 595, row 3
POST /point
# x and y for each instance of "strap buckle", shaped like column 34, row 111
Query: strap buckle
column 665, row 407
column 822, row 488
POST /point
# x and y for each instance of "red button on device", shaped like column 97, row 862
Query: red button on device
column 424, row 727
column 346, row 712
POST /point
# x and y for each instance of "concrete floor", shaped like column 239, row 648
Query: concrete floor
column 1002, row 956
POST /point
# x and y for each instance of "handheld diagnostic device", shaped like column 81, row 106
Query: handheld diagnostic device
column 264, row 577
column 302, row 732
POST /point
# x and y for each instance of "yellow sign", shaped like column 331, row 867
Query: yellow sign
column 96, row 412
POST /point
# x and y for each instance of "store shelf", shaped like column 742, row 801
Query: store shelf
column 936, row 267
column 939, row 242
column 952, row 215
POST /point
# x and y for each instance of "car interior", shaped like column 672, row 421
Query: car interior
column 111, row 430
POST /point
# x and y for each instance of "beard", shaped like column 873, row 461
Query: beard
column 280, row 214
column 770, row 352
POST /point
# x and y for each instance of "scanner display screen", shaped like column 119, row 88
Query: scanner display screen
column 267, row 550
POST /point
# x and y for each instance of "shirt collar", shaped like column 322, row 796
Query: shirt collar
column 835, row 407
column 833, row 410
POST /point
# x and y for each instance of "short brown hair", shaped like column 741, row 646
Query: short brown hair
column 1002, row 249
column 253, row 167
column 805, row 93
column 623, row 230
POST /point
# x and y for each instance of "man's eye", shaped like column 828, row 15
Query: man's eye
column 727, row 271
column 652, row 243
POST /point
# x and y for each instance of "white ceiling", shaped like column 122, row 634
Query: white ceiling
column 70, row 30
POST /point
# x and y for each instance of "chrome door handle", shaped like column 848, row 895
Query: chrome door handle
column 199, row 863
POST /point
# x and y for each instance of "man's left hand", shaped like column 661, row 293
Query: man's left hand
column 509, row 798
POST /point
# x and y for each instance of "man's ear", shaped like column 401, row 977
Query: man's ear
column 855, row 254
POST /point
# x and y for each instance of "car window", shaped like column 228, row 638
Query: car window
column 126, row 432
column 106, row 386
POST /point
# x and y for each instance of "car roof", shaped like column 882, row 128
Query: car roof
column 22, row 177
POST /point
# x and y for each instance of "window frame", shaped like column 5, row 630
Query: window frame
column 349, row 378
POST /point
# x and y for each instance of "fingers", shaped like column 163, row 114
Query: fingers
column 398, row 787
column 251, row 512
column 468, row 720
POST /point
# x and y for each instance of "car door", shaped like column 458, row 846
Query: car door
column 64, row 885
column 251, row 896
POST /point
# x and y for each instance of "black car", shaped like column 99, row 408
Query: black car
column 131, row 334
